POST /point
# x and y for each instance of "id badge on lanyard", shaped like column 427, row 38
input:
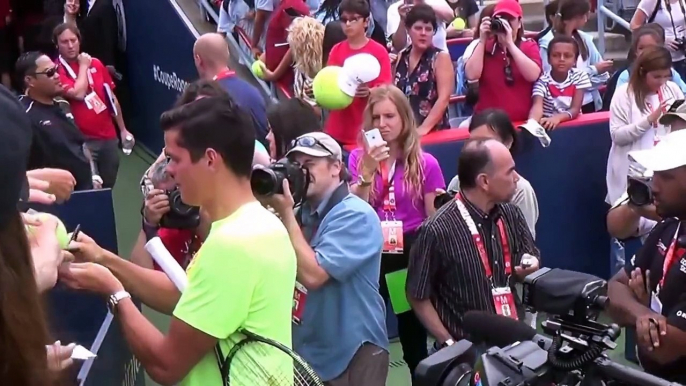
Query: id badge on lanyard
column 299, row 299
column 670, row 256
column 92, row 100
column 503, row 300
column 392, row 229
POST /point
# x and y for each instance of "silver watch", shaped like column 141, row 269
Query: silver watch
column 114, row 300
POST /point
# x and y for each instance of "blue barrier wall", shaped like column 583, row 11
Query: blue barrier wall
column 569, row 180
column 160, row 63
column 83, row 317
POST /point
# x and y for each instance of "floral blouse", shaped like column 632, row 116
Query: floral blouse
column 420, row 85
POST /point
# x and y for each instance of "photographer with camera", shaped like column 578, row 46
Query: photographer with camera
column 338, row 313
column 468, row 256
column 650, row 293
column 504, row 63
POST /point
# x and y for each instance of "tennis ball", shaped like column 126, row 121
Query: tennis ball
column 257, row 69
column 459, row 23
column 327, row 93
column 61, row 231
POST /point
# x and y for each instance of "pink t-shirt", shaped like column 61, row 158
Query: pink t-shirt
column 410, row 210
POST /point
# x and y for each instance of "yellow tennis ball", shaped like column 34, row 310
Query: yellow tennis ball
column 60, row 232
column 257, row 69
column 459, row 23
column 327, row 93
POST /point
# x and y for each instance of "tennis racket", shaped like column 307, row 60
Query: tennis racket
column 258, row 361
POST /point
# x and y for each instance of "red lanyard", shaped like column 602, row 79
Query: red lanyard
column 387, row 190
column 669, row 257
column 478, row 240
column 224, row 74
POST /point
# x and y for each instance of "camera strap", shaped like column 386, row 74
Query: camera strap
column 337, row 196
column 669, row 258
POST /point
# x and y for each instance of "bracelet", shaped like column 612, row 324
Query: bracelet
column 363, row 181
column 570, row 114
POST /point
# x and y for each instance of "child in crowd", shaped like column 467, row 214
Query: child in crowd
column 648, row 35
column 559, row 92
column 571, row 16
column 344, row 125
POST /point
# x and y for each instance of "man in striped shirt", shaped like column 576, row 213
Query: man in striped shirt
column 468, row 256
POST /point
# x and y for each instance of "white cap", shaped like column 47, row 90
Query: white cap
column 668, row 154
column 358, row 69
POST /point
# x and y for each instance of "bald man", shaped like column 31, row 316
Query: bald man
column 211, row 56
column 469, row 255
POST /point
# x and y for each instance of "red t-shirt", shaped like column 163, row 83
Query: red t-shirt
column 494, row 92
column 345, row 125
column 182, row 244
column 277, row 34
column 91, row 124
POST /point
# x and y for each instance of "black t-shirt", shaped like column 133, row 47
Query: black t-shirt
column 464, row 8
column 57, row 141
column 672, row 295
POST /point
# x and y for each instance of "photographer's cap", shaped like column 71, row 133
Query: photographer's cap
column 317, row 144
column 676, row 111
column 510, row 8
column 668, row 154
column 16, row 134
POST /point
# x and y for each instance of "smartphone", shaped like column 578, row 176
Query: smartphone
column 373, row 138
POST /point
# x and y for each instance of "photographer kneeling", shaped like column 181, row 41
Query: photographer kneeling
column 338, row 313
column 650, row 293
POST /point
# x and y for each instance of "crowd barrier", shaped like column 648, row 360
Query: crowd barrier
column 81, row 317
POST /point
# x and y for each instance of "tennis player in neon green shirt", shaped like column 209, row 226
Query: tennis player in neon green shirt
column 242, row 278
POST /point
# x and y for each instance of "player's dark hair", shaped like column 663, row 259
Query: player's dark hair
column 216, row 123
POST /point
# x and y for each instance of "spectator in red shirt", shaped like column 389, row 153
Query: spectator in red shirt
column 504, row 63
column 345, row 125
column 90, row 90
column 277, row 53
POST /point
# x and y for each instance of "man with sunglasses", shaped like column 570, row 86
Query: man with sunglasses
column 338, row 314
column 57, row 142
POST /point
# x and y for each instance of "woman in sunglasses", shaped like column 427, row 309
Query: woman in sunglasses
column 399, row 181
column 504, row 63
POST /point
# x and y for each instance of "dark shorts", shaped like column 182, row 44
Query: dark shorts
column 369, row 367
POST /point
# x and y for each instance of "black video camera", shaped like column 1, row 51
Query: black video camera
column 640, row 190
column 498, row 26
column 442, row 199
column 266, row 181
column 180, row 215
column 574, row 356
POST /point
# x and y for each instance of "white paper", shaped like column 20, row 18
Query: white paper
column 535, row 129
column 82, row 353
column 166, row 261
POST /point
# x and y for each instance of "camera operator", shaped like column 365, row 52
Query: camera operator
column 650, row 293
column 466, row 256
column 625, row 220
column 339, row 315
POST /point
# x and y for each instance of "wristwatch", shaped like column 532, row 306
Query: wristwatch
column 114, row 300
column 448, row 343
column 363, row 182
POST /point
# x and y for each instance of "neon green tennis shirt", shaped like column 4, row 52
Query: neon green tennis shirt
column 242, row 277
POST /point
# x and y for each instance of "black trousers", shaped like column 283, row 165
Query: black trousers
column 411, row 332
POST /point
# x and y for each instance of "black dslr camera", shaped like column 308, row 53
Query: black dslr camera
column 498, row 26
column 639, row 190
column 180, row 215
column 266, row 181
column 680, row 43
column 442, row 199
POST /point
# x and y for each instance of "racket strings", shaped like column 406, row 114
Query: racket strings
column 259, row 364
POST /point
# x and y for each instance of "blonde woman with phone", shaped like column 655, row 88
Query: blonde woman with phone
column 399, row 181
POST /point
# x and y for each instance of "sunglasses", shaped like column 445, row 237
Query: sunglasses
column 310, row 142
column 50, row 72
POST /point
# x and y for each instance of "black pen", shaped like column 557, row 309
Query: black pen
column 75, row 234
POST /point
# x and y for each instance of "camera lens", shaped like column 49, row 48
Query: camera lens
column 178, row 206
column 266, row 181
column 639, row 193
column 497, row 25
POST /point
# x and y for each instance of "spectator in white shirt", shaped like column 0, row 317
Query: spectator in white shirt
column 634, row 114
column 395, row 22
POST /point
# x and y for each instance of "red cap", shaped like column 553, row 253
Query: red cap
column 508, row 7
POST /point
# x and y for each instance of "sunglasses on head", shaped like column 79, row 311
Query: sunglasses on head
column 309, row 142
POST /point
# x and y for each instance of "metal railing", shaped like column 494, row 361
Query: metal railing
column 604, row 12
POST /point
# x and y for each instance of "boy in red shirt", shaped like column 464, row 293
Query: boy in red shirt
column 345, row 125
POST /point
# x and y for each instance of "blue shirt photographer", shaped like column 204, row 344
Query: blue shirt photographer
column 347, row 311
